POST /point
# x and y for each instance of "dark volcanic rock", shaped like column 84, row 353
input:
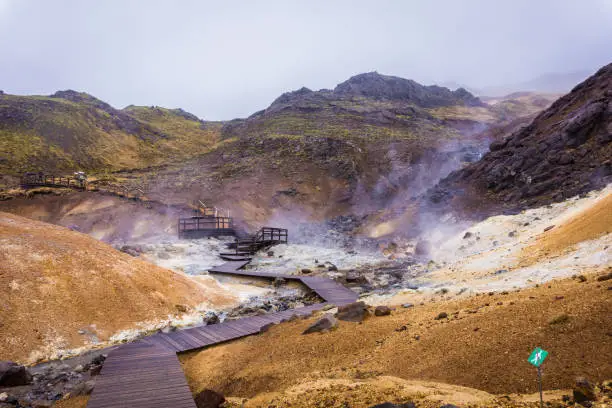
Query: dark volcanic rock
column 209, row 399
column 564, row 152
column 353, row 312
column 584, row 391
column 382, row 311
column 324, row 324
column 377, row 86
column 13, row 374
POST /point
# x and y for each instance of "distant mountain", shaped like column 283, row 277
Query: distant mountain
column 557, row 83
column 384, row 87
column 565, row 151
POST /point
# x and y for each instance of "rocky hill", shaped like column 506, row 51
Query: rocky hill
column 565, row 151
column 72, row 130
column 371, row 141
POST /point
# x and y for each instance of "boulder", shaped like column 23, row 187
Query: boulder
column 211, row 318
column 584, row 390
column 209, row 399
column 382, row 311
column 95, row 370
column 324, row 324
column 83, row 388
column 306, row 271
column 605, row 277
column 441, row 315
column 352, row 312
column 266, row 327
column 13, row 374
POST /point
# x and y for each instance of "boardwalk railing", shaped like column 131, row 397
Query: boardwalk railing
column 197, row 227
column 264, row 238
column 277, row 235
column 43, row 180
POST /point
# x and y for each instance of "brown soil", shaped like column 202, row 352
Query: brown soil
column 587, row 225
column 483, row 344
column 76, row 402
column 55, row 282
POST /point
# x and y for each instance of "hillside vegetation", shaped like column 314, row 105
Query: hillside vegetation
column 70, row 130
column 373, row 140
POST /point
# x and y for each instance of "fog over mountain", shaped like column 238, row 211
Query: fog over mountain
column 222, row 60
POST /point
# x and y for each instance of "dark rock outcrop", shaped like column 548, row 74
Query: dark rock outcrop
column 584, row 391
column 565, row 151
column 377, row 86
column 352, row 312
column 382, row 311
column 13, row 374
column 324, row 324
column 209, row 399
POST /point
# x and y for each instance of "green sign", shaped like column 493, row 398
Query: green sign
column 537, row 357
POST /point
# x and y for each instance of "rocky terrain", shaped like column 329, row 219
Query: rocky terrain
column 565, row 151
column 387, row 357
column 370, row 143
column 473, row 229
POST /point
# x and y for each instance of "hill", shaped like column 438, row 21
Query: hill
column 371, row 141
column 72, row 130
column 563, row 152
column 63, row 290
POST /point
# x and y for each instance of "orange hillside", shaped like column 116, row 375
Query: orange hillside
column 61, row 289
column 590, row 224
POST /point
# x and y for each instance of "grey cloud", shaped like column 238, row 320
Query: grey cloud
column 226, row 59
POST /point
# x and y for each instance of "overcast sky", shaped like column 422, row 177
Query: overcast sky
column 224, row 59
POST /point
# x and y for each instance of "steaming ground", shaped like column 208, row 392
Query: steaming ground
column 504, row 253
column 293, row 258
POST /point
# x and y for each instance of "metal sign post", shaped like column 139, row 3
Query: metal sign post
column 536, row 358
column 540, row 385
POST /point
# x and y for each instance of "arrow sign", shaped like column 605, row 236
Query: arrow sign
column 537, row 357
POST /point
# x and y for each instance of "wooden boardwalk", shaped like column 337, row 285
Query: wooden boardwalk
column 147, row 373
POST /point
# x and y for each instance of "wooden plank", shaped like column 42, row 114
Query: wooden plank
column 153, row 379
column 148, row 374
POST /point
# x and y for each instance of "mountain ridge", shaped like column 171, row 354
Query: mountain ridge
column 563, row 152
